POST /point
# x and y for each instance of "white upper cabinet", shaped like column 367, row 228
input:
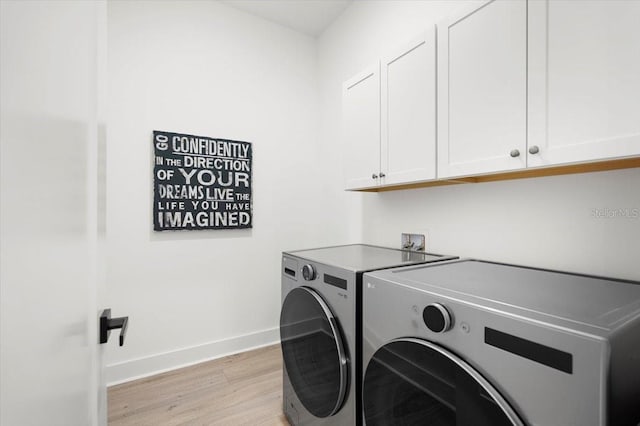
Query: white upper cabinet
column 584, row 80
column 408, row 152
column 389, row 113
column 361, row 128
column 482, row 89
column 501, row 86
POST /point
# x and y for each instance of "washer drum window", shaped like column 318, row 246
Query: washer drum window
column 313, row 352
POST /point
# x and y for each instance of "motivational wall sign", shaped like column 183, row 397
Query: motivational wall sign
column 201, row 182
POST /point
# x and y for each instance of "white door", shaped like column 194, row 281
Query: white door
column 482, row 84
column 409, row 112
column 584, row 80
column 51, row 368
column 361, row 128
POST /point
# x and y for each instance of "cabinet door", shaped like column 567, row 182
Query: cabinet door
column 409, row 112
column 584, row 80
column 361, row 115
column 482, row 84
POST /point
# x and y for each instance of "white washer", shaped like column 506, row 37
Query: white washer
column 320, row 329
column 469, row 342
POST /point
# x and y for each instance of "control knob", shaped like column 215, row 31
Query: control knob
column 308, row 272
column 437, row 318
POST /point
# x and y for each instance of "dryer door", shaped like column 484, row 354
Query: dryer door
column 313, row 352
column 414, row 382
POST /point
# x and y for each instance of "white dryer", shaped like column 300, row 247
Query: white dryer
column 320, row 328
column 476, row 343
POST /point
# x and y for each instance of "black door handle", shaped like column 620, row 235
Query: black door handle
column 107, row 324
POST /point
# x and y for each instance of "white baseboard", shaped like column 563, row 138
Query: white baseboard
column 159, row 363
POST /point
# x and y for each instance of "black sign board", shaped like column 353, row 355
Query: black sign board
column 201, row 182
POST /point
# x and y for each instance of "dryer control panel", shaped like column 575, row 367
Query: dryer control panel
column 437, row 318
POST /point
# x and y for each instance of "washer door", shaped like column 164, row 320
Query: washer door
column 414, row 382
column 313, row 352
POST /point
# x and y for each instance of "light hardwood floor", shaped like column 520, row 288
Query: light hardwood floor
column 241, row 389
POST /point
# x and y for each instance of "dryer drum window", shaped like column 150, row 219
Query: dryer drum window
column 313, row 352
column 414, row 382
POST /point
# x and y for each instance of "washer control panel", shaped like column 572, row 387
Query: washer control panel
column 437, row 318
column 309, row 272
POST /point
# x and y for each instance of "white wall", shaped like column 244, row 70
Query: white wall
column 546, row 222
column 207, row 69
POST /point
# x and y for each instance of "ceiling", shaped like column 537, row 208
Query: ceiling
column 306, row 16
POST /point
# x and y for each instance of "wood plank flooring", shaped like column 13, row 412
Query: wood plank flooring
column 241, row 389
